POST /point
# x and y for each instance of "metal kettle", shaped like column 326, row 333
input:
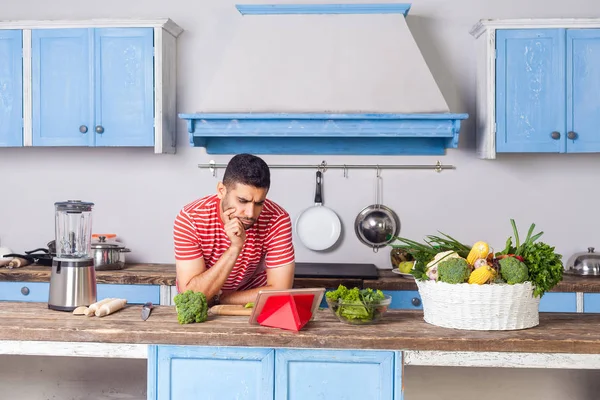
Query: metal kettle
column 584, row 263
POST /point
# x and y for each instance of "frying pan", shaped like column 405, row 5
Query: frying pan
column 318, row 227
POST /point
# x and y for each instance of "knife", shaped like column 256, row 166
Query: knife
column 146, row 310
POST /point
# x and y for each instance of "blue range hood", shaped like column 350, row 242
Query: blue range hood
column 356, row 62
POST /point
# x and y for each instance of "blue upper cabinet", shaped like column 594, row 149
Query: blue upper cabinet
column 538, row 83
column 124, row 98
column 11, row 88
column 530, row 90
column 93, row 87
column 61, row 87
column 94, row 83
column 583, row 90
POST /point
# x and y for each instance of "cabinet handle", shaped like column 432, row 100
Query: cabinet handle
column 572, row 135
column 24, row 290
column 83, row 129
column 416, row 301
column 99, row 129
column 555, row 135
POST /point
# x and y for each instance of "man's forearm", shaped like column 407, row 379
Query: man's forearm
column 243, row 296
column 210, row 281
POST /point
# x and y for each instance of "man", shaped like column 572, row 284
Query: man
column 231, row 244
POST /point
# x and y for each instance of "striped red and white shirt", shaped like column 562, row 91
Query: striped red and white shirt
column 199, row 232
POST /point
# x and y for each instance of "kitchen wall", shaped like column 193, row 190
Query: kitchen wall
column 137, row 193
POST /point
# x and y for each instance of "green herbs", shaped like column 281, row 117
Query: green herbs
column 424, row 253
column 191, row 307
column 544, row 266
column 355, row 304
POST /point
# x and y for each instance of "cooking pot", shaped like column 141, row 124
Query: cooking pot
column 108, row 255
column 584, row 263
column 376, row 225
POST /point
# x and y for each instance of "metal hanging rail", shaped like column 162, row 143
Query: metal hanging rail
column 323, row 166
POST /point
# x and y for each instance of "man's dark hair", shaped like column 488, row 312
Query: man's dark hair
column 247, row 169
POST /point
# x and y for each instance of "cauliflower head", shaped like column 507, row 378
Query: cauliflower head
column 513, row 271
column 191, row 307
column 453, row 270
column 444, row 255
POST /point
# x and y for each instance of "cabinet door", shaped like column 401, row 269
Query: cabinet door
column 583, row 90
column 124, row 99
column 334, row 374
column 62, row 87
column 210, row 373
column 11, row 88
column 530, row 90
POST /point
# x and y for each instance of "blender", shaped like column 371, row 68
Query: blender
column 73, row 278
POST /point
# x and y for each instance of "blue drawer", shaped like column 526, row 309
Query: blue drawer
column 405, row 299
column 135, row 294
column 591, row 302
column 38, row 292
column 401, row 299
column 558, row 302
column 24, row 291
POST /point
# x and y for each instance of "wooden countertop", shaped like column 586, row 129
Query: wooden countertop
column 398, row 330
column 164, row 274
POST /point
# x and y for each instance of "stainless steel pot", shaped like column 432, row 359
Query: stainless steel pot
column 584, row 263
column 376, row 225
column 108, row 256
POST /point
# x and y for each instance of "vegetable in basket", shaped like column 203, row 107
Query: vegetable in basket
column 531, row 261
column 454, row 270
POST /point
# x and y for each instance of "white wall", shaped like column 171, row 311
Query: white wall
column 137, row 193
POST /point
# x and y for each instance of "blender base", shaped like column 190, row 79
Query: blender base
column 72, row 283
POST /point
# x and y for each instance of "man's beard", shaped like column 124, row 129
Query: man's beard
column 248, row 223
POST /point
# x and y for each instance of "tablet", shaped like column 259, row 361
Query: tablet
column 263, row 295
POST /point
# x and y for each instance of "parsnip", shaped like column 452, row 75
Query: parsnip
column 110, row 307
column 93, row 307
column 80, row 310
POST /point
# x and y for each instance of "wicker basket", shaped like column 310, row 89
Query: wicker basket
column 479, row 307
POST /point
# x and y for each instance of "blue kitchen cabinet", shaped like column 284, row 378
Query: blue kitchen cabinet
column 547, row 81
column 583, row 88
column 591, row 302
column 405, row 299
column 334, row 374
column 124, row 86
column 38, row 292
column 558, row 302
column 11, row 88
column 210, row 373
column 93, row 87
column 530, row 90
column 194, row 372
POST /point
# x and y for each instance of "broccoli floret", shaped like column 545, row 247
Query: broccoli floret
column 191, row 307
column 513, row 271
column 453, row 270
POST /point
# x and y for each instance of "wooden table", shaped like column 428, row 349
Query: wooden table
column 560, row 341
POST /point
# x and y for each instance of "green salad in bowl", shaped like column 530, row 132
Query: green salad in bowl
column 358, row 306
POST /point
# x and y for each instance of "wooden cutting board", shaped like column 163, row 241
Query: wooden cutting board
column 230, row 309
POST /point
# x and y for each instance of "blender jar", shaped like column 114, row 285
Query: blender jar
column 73, row 226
